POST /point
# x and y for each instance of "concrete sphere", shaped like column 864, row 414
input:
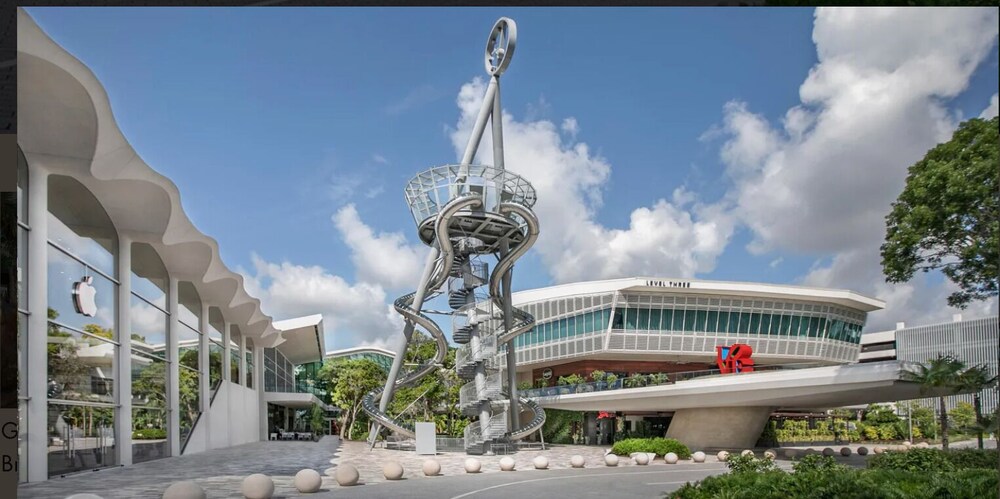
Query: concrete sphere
column 722, row 456
column 346, row 475
column 258, row 486
column 540, row 462
column 181, row 490
column 845, row 451
column 923, row 445
column 828, row 451
column 670, row 458
column 810, row 451
column 770, row 454
column 747, row 452
column 879, row 449
column 641, row 458
column 611, row 460
column 85, row 496
column 392, row 470
column 506, row 463
column 906, row 443
column 577, row 461
column 472, row 465
column 698, row 457
column 862, row 451
column 307, row 481
column 431, row 467
column 789, row 453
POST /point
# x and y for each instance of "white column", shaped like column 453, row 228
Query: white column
column 258, row 384
column 36, row 342
column 243, row 359
column 206, row 387
column 123, row 421
column 173, row 371
column 226, row 356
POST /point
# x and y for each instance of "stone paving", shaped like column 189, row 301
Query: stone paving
column 220, row 472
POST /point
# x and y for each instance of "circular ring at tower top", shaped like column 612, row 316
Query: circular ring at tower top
column 500, row 46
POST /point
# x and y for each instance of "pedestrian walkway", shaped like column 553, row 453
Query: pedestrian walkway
column 220, row 472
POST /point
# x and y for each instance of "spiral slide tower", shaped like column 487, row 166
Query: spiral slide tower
column 468, row 214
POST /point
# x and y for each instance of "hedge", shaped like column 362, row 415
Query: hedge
column 149, row 434
column 935, row 460
column 661, row 446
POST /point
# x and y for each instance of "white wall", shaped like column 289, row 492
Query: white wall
column 234, row 418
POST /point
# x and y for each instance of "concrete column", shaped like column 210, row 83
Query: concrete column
column 36, row 342
column 123, row 421
column 243, row 359
column 173, row 370
column 226, row 349
column 258, row 384
column 719, row 427
column 205, row 392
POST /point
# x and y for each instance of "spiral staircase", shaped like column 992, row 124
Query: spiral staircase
column 468, row 213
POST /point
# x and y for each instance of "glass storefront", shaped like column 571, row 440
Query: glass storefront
column 188, row 358
column 150, row 361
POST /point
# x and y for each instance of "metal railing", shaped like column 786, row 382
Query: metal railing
column 653, row 380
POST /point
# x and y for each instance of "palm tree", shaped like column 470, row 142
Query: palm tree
column 976, row 379
column 938, row 374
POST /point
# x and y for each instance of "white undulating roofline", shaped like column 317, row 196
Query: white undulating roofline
column 306, row 321
column 842, row 297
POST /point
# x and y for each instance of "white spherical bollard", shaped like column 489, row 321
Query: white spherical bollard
column 85, row 496
column 906, row 443
column 828, row 451
column 879, row 449
column 392, row 471
column 577, row 461
column 184, row 490
column 770, row 454
column 346, row 475
column 641, row 458
column 472, row 465
column 431, row 467
column 258, row 486
column 307, row 481
column 923, row 445
column 722, row 456
column 698, row 457
column 670, row 458
column 540, row 462
column 506, row 463
column 845, row 451
column 862, row 451
column 747, row 452
column 611, row 460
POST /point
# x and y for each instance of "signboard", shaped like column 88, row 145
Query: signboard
column 426, row 438
column 734, row 359
column 547, row 373
column 84, row 296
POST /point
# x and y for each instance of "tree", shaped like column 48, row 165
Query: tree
column 976, row 379
column 963, row 416
column 938, row 374
column 351, row 380
column 948, row 215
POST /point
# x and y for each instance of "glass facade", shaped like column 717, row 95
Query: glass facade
column 83, row 349
column 249, row 361
column 235, row 353
column 148, row 338
column 383, row 360
column 22, row 308
column 279, row 373
column 188, row 358
column 216, row 325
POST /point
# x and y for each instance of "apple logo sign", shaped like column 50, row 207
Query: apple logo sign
column 84, row 297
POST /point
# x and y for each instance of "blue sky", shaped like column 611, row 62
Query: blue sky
column 729, row 144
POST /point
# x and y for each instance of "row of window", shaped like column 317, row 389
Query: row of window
column 692, row 321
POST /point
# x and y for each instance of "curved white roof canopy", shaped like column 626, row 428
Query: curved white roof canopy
column 65, row 123
column 841, row 297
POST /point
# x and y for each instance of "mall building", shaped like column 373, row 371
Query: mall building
column 135, row 341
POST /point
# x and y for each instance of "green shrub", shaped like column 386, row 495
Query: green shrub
column 920, row 460
column 149, row 434
column 816, row 463
column 661, row 446
column 749, row 464
column 964, row 459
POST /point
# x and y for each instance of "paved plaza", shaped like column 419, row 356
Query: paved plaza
column 221, row 472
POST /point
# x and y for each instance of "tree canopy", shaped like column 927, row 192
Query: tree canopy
column 948, row 215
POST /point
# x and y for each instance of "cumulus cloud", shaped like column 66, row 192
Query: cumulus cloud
column 823, row 181
column 353, row 314
column 381, row 258
column 662, row 239
column 990, row 110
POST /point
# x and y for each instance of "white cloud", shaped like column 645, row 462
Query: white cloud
column 571, row 127
column 380, row 159
column 990, row 110
column 774, row 263
column 352, row 314
column 873, row 105
column 384, row 258
column 662, row 239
